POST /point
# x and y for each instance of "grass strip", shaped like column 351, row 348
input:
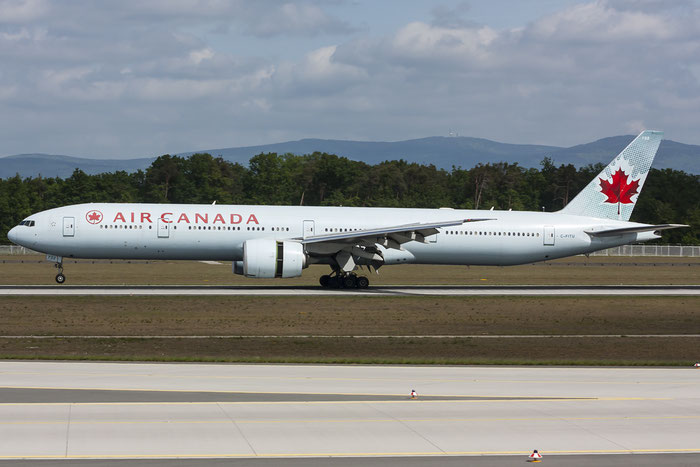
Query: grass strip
column 567, row 271
column 347, row 316
column 512, row 351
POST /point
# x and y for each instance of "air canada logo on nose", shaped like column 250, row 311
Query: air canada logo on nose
column 94, row 217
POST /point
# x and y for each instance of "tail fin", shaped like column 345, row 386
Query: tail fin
column 614, row 192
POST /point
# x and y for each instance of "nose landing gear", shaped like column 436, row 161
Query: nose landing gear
column 60, row 278
column 343, row 280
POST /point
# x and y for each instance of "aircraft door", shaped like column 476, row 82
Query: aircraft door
column 548, row 235
column 69, row 226
column 309, row 230
column 163, row 229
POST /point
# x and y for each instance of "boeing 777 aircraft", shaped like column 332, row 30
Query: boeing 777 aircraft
column 280, row 241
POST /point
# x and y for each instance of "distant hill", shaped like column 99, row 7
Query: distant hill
column 437, row 150
column 671, row 155
column 443, row 152
column 46, row 165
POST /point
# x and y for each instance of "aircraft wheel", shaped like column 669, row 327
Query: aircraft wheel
column 333, row 282
column 325, row 280
column 349, row 281
column 60, row 278
column 362, row 282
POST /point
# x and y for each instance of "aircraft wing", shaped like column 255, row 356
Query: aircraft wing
column 347, row 249
column 390, row 236
column 626, row 230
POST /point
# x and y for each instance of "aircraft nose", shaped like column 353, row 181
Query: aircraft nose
column 12, row 235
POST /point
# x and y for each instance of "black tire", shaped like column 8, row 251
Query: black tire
column 333, row 282
column 325, row 280
column 60, row 278
column 362, row 282
column 349, row 282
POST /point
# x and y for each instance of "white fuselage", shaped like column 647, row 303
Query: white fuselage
column 217, row 232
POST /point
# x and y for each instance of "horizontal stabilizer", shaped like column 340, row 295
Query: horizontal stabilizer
column 626, row 230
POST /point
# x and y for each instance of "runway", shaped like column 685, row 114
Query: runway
column 418, row 290
column 244, row 413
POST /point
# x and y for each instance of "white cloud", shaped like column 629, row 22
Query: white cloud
column 601, row 22
column 291, row 18
column 321, row 65
column 423, row 41
column 267, row 18
column 20, row 11
column 151, row 77
column 196, row 56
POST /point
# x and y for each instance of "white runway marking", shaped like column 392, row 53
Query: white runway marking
column 684, row 290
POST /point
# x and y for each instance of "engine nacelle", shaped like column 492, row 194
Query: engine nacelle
column 268, row 258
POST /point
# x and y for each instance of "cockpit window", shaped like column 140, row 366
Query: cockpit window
column 27, row 223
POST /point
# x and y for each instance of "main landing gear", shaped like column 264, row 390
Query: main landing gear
column 344, row 281
column 60, row 278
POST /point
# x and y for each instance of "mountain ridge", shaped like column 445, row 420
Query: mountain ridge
column 441, row 151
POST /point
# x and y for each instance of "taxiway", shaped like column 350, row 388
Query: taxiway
column 200, row 411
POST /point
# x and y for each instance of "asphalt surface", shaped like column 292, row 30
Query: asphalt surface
column 39, row 396
column 683, row 290
column 346, row 415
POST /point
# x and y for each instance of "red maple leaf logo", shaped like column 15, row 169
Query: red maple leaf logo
column 94, row 217
column 619, row 191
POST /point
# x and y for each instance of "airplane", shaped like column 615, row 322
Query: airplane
column 281, row 241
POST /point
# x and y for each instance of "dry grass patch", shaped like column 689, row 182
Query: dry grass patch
column 347, row 316
column 563, row 351
column 575, row 270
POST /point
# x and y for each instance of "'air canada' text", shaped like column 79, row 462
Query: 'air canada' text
column 185, row 218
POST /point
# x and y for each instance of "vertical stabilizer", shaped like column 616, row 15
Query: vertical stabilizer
column 614, row 192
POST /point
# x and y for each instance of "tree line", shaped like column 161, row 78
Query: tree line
column 320, row 179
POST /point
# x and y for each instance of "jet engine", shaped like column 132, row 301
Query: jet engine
column 268, row 258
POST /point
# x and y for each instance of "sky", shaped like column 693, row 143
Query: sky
column 134, row 78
